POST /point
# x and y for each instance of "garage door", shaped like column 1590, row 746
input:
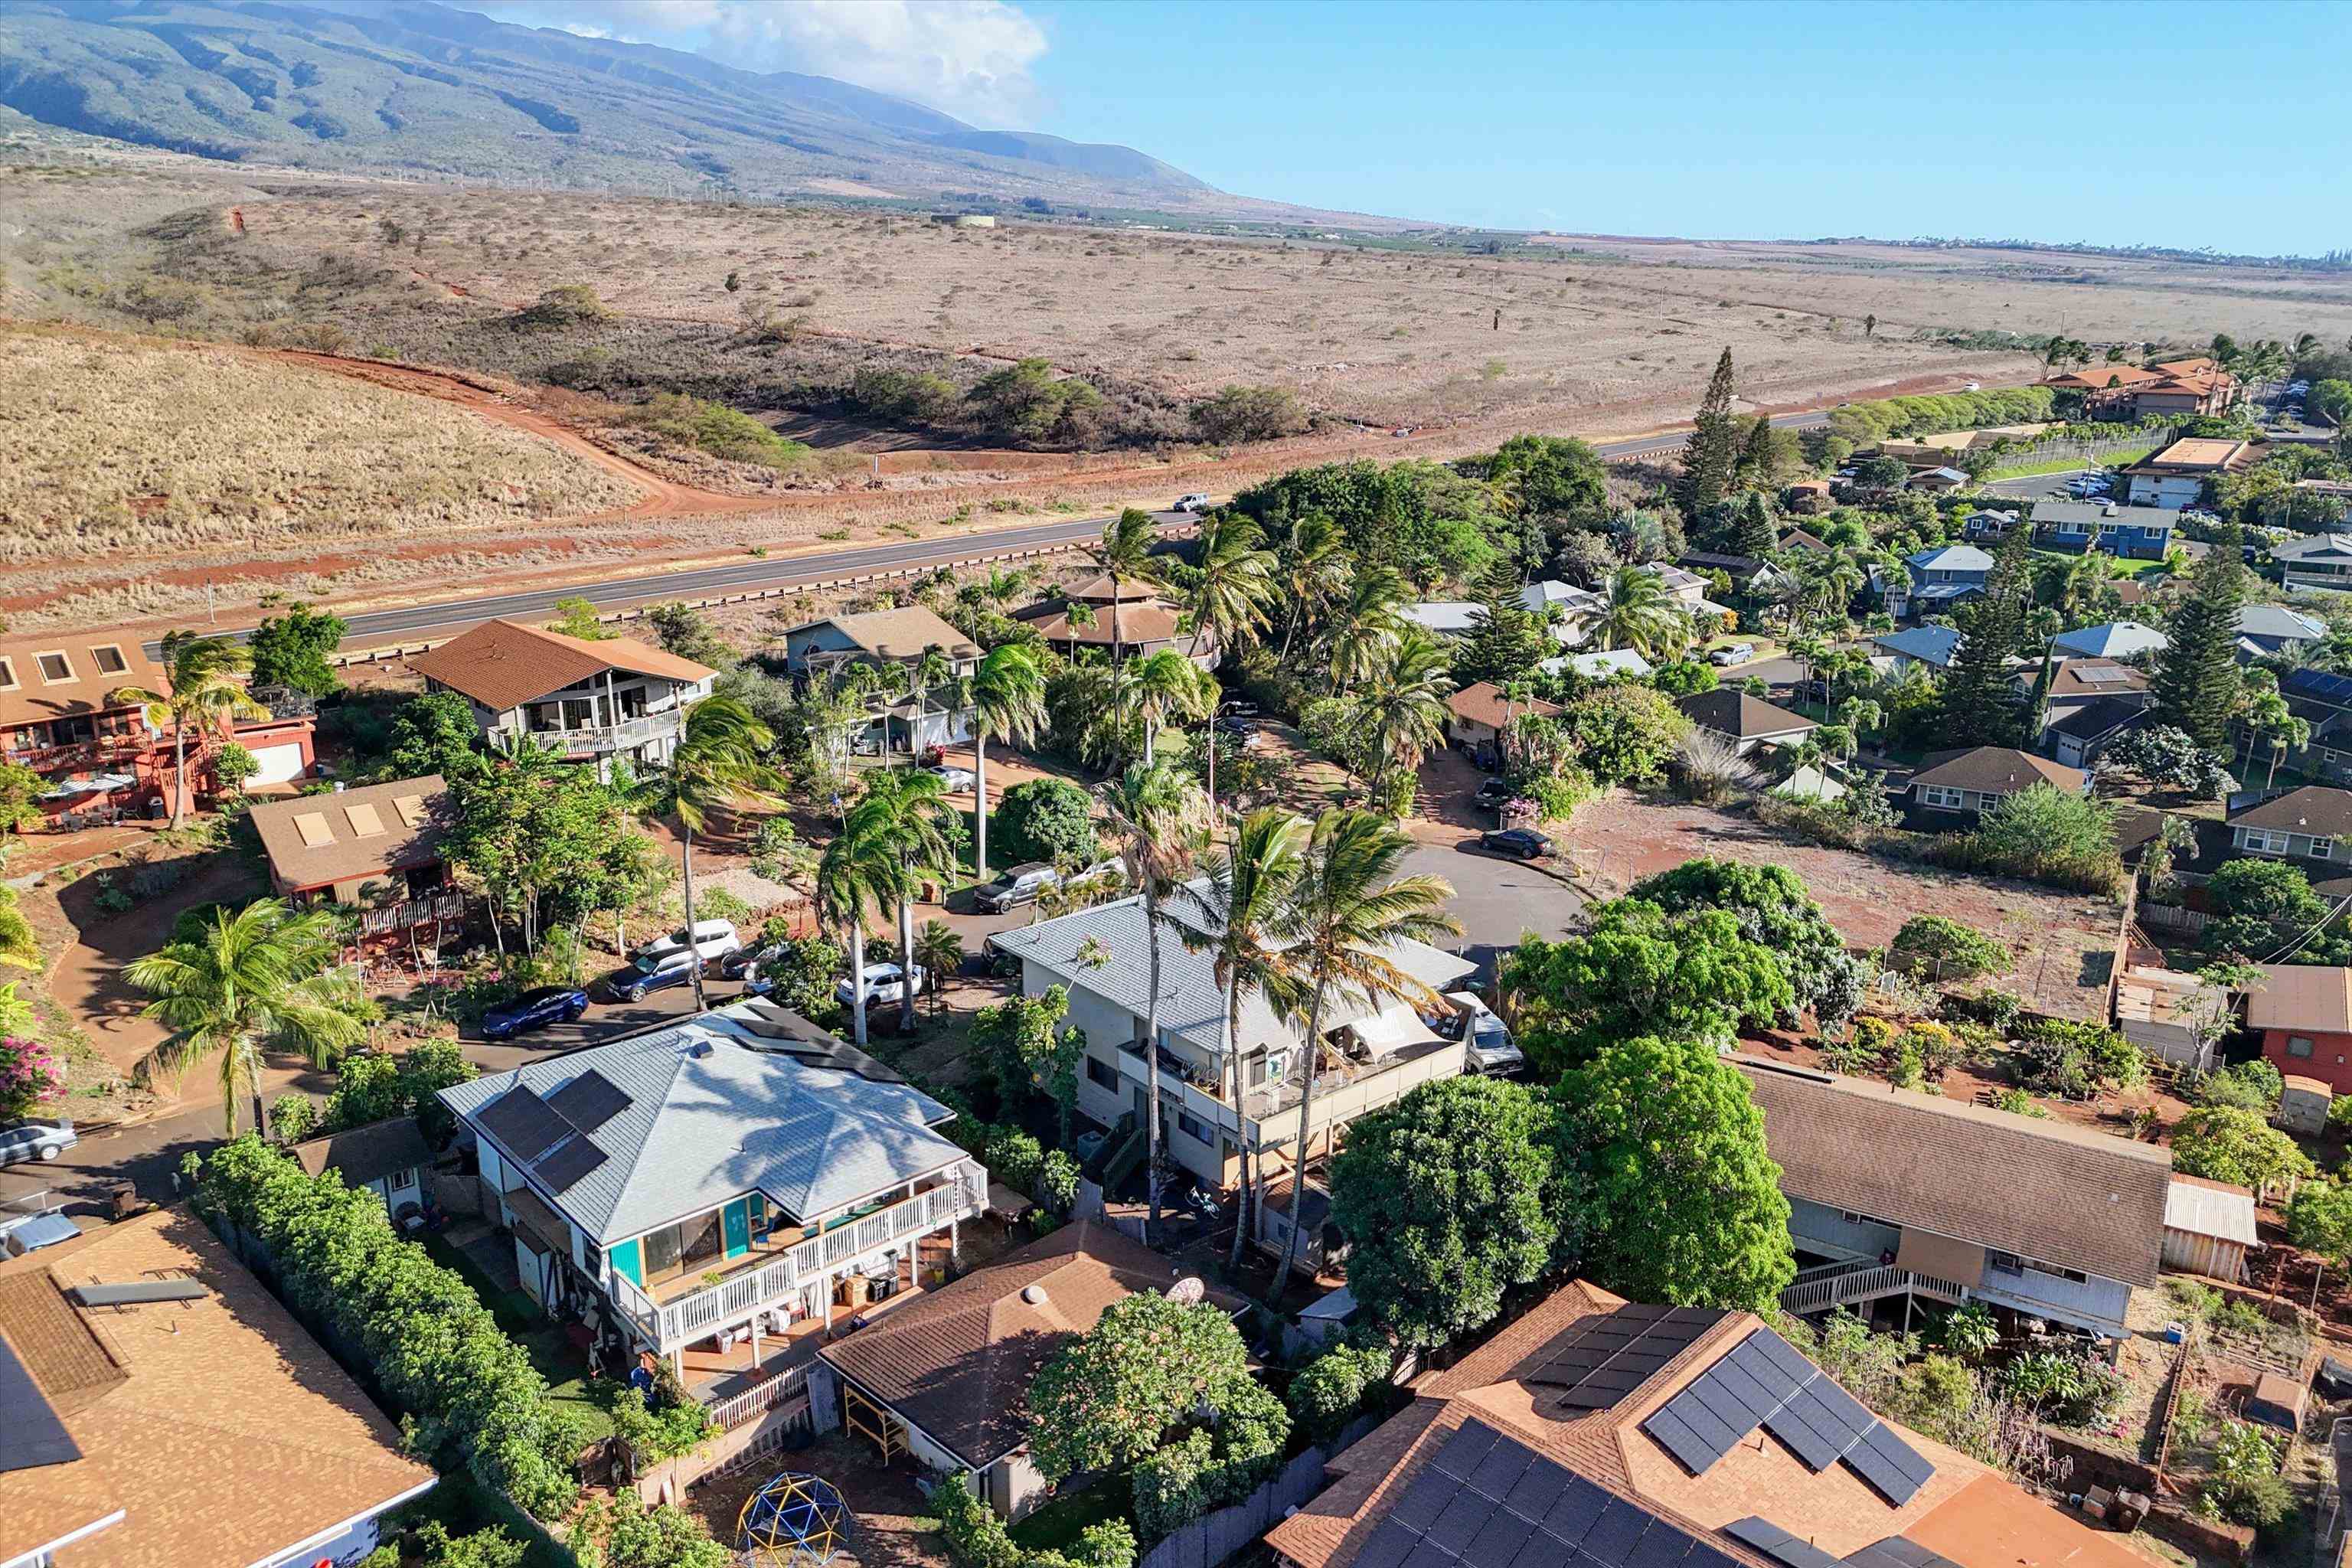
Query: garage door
column 278, row 764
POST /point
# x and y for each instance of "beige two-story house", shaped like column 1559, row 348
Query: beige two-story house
column 596, row 700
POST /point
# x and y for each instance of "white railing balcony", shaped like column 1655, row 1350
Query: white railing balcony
column 742, row 1409
column 612, row 737
column 442, row 906
column 685, row 1319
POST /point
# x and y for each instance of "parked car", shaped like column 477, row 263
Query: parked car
column 24, row 1141
column 1196, row 502
column 959, row 781
column 1492, row 793
column 1520, row 843
column 1015, row 886
column 709, row 939
column 883, row 983
column 1238, row 708
column 650, row 973
column 34, row 1232
column 534, row 1010
column 1491, row 1048
column 1733, row 653
column 736, row 966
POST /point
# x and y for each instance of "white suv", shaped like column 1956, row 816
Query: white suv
column 709, row 939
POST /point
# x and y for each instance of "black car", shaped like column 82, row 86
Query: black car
column 1493, row 793
column 1520, row 843
column 533, row 1010
column 1240, row 726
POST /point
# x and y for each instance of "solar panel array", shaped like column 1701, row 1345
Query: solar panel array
column 550, row 1135
column 1896, row 1552
column 32, row 1436
column 588, row 1102
column 1766, row 1381
column 2334, row 689
column 1777, row 1543
column 567, row 1163
column 1616, row 1354
column 1487, row 1500
column 525, row 1125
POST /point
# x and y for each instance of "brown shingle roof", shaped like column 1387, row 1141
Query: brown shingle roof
column 1148, row 621
column 28, row 695
column 2313, row 808
column 317, row 840
column 366, row 1153
column 2198, row 452
column 2066, row 1195
column 1728, row 711
column 2315, row 998
column 233, row 1436
column 58, row 1342
column 503, row 664
column 958, row 1362
column 1482, row 702
column 2094, row 678
column 899, row 635
column 1997, row 770
column 1100, row 588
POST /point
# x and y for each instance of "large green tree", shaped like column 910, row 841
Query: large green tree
column 906, row 812
column 1444, row 1199
column 1507, row 641
column 859, row 876
column 291, row 650
column 435, row 733
column 1637, row 969
column 1008, row 703
column 2197, row 683
column 2265, row 910
column 1713, row 454
column 1623, row 733
column 1667, row 1150
column 1980, row 702
column 1775, row 909
column 2225, row 1143
column 1106, row 1398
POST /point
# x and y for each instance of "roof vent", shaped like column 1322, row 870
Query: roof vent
column 699, row 1048
column 1034, row 1294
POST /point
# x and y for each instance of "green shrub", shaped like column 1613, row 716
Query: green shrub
column 568, row 305
column 2069, row 1389
column 713, row 427
column 1047, row 819
column 1934, row 947
column 976, row 1538
column 718, row 904
column 1335, row 1387
column 2017, row 1102
column 2254, row 1085
column 2246, row 1485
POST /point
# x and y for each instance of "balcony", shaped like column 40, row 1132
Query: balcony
column 600, row 738
column 1345, row 1089
column 411, row 912
column 80, row 756
column 764, row 1277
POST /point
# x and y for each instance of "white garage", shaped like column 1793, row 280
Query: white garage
column 280, row 764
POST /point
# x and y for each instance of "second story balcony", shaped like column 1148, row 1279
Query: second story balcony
column 596, row 739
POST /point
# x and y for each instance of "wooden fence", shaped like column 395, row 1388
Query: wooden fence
column 1217, row 1538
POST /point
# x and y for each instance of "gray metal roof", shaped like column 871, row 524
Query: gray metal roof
column 1191, row 1005
column 2112, row 639
column 2086, row 513
column 2312, row 545
column 710, row 1116
column 1932, row 645
column 2278, row 621
column 1950, row 558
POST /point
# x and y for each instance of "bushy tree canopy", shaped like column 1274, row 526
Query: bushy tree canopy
column 1044, row 819
column 2262, row 909
column 2222, row 1143
column 1106, row 1398
column 1773, row 908
column 1623, row 733
column 1636, row 970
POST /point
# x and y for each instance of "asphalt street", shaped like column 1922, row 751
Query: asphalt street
column 1496, row 901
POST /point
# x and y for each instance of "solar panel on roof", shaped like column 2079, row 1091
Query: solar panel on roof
column 1777, row 1544
column 139, row 1292
column 1894, row 1552
column 524, row 1124
column 567, row 1163
column 1618, row 1354
column 1580, row 1504
column 1454, row 1515
column 1690, row 1450
column 1612, row 1535
column 1390, row 1546
column 588, row 1102
column 33, row 1436
column 1814, row 1442
column 1661, row 1546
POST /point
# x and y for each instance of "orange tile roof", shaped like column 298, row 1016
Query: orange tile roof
column 2198, row 452
column 1482, row 702
column 503, row 664
column 2098, row 378
column 29, row 695
column 232, row 1437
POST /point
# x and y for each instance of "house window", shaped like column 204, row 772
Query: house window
column 404, row 1178
column 1192, row 1129
column 2004, row 1263
column 55, row 667
column 2321, row 848
column 1102, row 1075
column 7, row 676
column 109, row 658
column 1853, row 1218
column 2298, row 1046
column 1936, row 795
column 2264, row 843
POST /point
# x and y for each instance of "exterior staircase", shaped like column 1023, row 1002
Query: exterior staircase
column 1835, row 1285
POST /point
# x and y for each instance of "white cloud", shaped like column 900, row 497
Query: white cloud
column 970, row 58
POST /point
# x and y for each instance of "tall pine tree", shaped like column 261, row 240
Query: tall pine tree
column 1759, row 532
column 1714, row 450
column 1755, row 467
column 1506, row 643
column 2196, row 684
column 1980, row 698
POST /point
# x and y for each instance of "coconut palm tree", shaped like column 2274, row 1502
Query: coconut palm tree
column 1234, row 582
column 200, row 692
column 1008, row 703
column 1639, row 612
column 1351, row 909
column 940, row 953
column 1404, row 703
column 1249, row 927
column 721, row 761
column 907, row 812
column 1126, row 551
column 242, row 980
column 1160, row 821
column 1163, row 688
column 923, row 675
column 1308, row 569
column 856, row 876
column 1363, row 623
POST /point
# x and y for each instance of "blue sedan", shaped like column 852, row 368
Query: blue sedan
column 533, row 1010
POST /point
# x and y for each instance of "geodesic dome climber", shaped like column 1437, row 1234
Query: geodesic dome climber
column 795, row 1520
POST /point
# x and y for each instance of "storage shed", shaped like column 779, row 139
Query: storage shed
column 2207, row 1227
column 2302, row 1105
column 2276, row 1401
column 2176, row 1016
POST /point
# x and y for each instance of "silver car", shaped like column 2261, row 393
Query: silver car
column 26, row 1140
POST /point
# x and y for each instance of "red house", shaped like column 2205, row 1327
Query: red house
column 2304, row 1012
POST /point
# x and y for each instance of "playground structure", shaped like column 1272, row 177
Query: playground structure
column 795, row 1520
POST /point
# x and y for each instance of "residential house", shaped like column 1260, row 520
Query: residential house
column 2130, row 533
column 1975, row 779
column 2323, row 700
column 709, row 1190
column 594, row 700
column 1689, row 590
column 1748, row 723
column 60, row 716
column 897, row 642
column 378, row 847
column 1939, row 480
column 1477, row 714
column 1747, row 574
column 1933, row 646
column 1809, row 497
column 1591, row 1432
column 1568, row 610
column 2273, row 631
column 2316, row 561
column 2109, row 639
column 2107, row 390
column 2088, row 703
column 2311, row 825
column 1942, row 577
column 1986, row 527
column 2304, row 1014
column 2076, row 735
column 159, row 1407
column 389, row 1158
column 944, row 1379
column 1109, row 613
column 2129, row 392
column 1444, row 617
column 1370, row 1055
column 1611, row 664
column 2179, row 475
column 1887, row 1197
column 1797, row 538
column 2209, row 1228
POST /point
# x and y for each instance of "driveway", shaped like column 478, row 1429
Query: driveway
column 1496, row 901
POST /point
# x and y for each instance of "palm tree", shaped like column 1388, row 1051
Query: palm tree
column 1351, row 910
column 908, row 813
column 1639, row 612
column 1404, row 703
column 1159, row 820
column 1363, row 623
column 200, row 692
column 1308, row 570
column 923, row 675
column 940, row 953
column 1250, row 927
column 1861, row 715
column 1164, row 686
column 1125, row 548
column 721, row 761
column 856, row 874
column 1234, row 583
column 1008, row 702
column 257, row 977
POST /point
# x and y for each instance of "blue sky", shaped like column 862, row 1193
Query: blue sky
column 2185, row 125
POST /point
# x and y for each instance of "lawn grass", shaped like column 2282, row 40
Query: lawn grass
column 519, row 1318
column 1057, row 1526
column 2116, row 565
column 2068, row 465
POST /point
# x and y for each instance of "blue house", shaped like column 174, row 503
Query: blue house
column 2077, row 527
column 1942, row 577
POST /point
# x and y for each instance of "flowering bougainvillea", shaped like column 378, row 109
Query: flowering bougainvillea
column 29, row 1074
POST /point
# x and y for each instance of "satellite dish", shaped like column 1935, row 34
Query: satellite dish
column 1187, row 1290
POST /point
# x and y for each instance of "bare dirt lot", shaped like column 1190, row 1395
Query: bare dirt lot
column 2065, row 940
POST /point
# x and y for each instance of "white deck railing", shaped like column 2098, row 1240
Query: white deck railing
column 742, row 1409
column 1864, row 1284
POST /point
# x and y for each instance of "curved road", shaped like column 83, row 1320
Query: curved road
column 451, row 616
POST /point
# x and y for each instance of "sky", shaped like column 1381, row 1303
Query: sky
column 2196, row 125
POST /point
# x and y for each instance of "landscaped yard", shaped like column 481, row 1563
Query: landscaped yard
column 1056, row 1526
column 566, row 1369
